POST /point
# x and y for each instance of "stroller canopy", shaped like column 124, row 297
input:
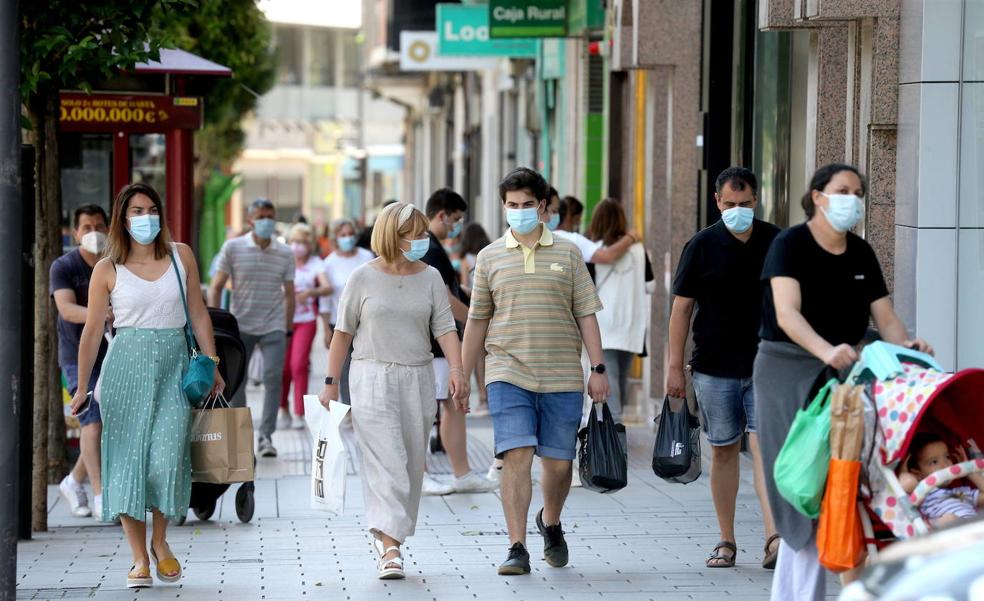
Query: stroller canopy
column 923, row 398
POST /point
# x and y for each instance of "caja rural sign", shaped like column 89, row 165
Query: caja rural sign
column 463, row 30
column 130, row 113
column 527, row 18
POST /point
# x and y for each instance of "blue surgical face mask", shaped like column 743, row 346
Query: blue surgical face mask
column 346, row 243
column 456, row 264
column 738, row 219
column 144, row 228
column 553, row 222
column 418, row 248
column 264, row 228
column 844, row 212
column 456, row 230
column 523, row 221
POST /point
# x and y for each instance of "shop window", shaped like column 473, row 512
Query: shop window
column 351, row 64
column 322, row 55
column 288, row 41
column 86, row 171
column 148, row 161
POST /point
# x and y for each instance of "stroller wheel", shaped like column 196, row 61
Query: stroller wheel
column 205, row 511
column 245, row 504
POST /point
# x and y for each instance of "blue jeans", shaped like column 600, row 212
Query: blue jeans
column 547, row 421
column 727, row 407
column 71, row 373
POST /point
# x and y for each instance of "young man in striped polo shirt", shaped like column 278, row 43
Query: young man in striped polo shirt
column 532, row 304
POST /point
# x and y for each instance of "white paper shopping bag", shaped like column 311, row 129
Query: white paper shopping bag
column 329, row 461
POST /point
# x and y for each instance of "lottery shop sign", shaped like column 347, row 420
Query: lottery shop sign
column 128, row 112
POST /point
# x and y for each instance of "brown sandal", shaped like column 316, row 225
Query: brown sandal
column 771, row 557
column 721, row 560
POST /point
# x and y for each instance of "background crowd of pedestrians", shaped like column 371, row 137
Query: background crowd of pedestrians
column 551, row 320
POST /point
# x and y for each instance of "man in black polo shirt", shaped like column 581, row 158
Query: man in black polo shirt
column 446, row 211
column 719, row 273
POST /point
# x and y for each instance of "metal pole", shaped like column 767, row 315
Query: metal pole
column 10, row 293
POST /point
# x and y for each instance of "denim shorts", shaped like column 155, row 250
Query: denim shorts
column 547, row 421
column 71, row 373
column 727, row 407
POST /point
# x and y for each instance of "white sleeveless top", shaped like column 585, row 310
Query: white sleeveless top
column 139, row 303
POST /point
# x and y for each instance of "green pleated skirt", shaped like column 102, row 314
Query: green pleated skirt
column 146, row 459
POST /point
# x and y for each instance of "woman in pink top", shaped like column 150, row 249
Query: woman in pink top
column 310, row 283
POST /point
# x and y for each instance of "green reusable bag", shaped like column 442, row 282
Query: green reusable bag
column 801, row 467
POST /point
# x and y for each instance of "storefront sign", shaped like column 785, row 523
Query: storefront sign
column 130, row 113
column 418, row 52
column 463, row 30
column 527, row 18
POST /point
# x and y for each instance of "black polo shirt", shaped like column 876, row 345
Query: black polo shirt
column 722, row 274
column 438, row 258
column 836, row 291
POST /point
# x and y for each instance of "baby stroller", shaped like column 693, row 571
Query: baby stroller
column 232, row 366
column 907, row 391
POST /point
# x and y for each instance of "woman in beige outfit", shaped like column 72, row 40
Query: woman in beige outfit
column 390, row 308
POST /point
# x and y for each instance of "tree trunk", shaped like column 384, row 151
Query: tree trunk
column 57, row 448
column 47, row 207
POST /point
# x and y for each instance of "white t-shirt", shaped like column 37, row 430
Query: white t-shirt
column 306, row 278
column 338, row 269
column 587, row 247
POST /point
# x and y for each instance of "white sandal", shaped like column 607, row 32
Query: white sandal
column 385, row 572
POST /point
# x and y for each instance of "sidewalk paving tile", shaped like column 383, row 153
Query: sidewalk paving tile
column 646, row 542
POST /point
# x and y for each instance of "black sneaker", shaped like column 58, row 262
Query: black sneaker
column 518, row 562
column 554, row 545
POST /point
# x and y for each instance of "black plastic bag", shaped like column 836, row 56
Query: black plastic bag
column 676, row 454
column 602, row 461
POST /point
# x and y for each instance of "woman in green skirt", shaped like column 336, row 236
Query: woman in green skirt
column 146, row 461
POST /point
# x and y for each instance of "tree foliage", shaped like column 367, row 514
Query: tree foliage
column 67, row 44
column 234, row 33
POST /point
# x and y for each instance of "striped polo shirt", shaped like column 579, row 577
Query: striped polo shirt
column 532, row 297
column 258, row 276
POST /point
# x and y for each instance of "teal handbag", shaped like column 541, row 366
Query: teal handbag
column 801, row 467
column 199, row 377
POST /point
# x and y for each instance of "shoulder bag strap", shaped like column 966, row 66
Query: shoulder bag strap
column 189, row 333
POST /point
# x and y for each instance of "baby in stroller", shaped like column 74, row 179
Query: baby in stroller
column 944, row 505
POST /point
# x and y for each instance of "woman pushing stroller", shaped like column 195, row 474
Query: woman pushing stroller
column 824, row 285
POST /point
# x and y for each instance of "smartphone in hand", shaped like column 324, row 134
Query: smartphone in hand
column 85, row 405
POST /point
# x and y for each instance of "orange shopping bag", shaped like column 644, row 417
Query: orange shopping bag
column 840, row 539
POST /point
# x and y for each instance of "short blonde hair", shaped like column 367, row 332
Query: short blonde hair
column 301, row 229
column 397, row 222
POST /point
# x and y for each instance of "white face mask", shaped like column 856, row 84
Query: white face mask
column 94, row 242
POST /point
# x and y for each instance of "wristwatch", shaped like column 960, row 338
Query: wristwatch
column 598, row 369
column 330, row 380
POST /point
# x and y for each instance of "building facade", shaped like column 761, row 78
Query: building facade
column 648, row 100
column 318, row 145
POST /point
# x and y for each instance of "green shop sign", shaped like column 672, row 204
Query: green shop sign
column 527, row 18
column 463, row 30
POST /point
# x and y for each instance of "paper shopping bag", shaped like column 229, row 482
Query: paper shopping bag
column 329, row 460
column 222, row 445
